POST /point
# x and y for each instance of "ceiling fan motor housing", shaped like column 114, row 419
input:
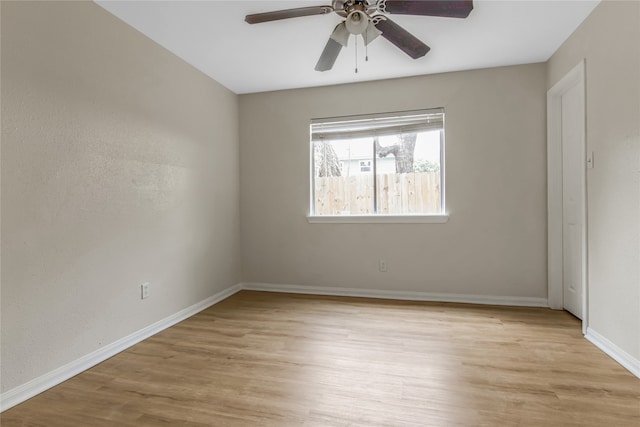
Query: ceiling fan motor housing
column 345, row 7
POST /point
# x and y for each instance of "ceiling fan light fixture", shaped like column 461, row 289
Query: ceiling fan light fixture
column 357, row 22
column 341, row 34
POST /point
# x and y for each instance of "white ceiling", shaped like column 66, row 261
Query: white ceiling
column 213, row 37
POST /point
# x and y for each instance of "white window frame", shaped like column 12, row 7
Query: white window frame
column 439, row 218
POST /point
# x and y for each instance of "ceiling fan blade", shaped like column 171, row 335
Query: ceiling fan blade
column 448, row 8
column 329, row 55
column 341, row 34
column 258, row 18
column 403, row 39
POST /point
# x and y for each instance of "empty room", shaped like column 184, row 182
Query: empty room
column 320, row 213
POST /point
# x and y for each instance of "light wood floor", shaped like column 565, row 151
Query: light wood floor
column 265, row 359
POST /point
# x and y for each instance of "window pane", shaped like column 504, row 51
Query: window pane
column 343, row 177
column 408, row 173
column 378, row 164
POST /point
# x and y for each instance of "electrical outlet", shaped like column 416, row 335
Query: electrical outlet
column 144, row 290
column 382, row 266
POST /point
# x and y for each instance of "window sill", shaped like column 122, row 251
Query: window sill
column 378, row 219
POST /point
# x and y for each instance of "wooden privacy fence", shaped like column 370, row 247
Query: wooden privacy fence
column 398, row 193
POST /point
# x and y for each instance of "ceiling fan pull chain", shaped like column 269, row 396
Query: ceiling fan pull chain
column 356, row 44
column 366, row 48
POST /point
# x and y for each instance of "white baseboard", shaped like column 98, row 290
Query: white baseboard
column 616, row 353
column 38, row 385
column 399, row 295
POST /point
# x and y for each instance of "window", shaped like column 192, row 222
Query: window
column 383, row 165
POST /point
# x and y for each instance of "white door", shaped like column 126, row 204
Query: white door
column 573, row 164
column 566, row 195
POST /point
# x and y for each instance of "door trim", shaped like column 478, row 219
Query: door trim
column 554, row 191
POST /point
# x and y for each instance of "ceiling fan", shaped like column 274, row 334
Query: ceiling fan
column 368, row 19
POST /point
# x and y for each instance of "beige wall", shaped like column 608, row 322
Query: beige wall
column 119, row 166
column 609, row 40
column 495, row 241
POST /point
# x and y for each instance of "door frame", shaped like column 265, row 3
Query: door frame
column 554, row 191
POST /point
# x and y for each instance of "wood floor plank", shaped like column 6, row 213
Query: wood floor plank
column 266, row 359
